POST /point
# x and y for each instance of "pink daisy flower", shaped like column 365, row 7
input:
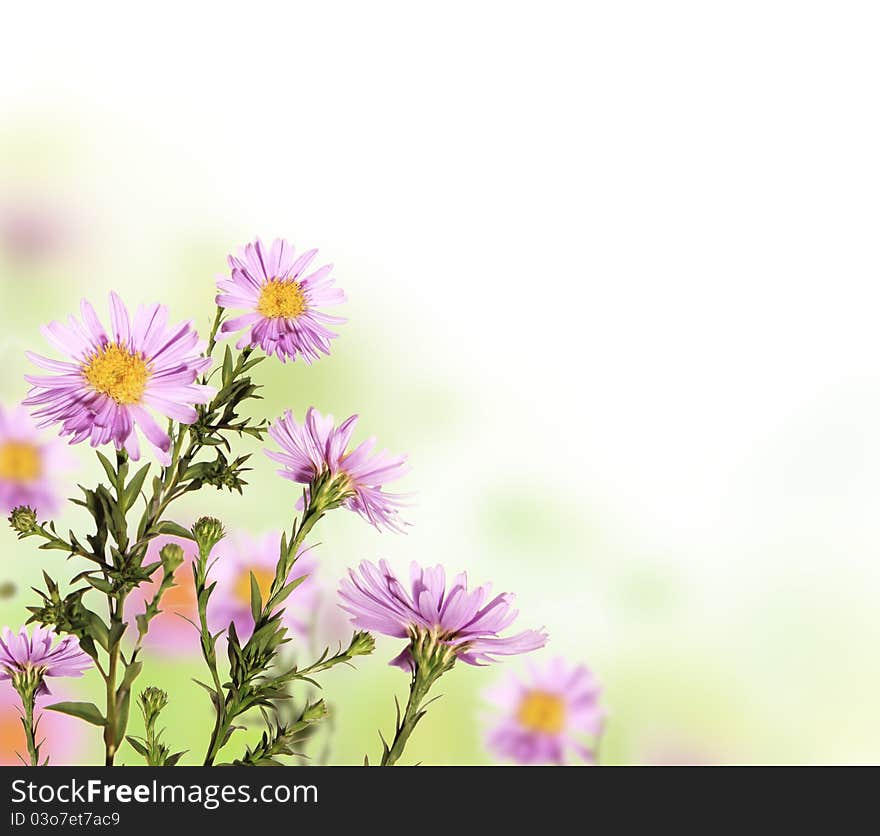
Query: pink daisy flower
column 30, row 465
column 282, row 305
column 20, row 652
column 547, row 716
column 468, row 622
column 232, row 561
column 103, row 395
column 317, row 447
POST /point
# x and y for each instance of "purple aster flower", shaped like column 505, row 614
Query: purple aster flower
column 282, row 305
column 466, row 622
column 30, row 464
column 23, row 654
column 316, row 448
column 548, row 715
column 104, row 394
column 232, row 561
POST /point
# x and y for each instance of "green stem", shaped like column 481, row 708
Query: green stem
column 229, row 707
column 431, row 658
column 208, row 651
column 418, row 690
column 112, row 719
column 218, row 736
column 212, row 338
column 210, row 656
column 27, row 720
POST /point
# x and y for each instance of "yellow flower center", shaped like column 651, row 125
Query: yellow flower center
column 282, row 298
column 20, row 462
column 242, row 589
column 118, row 373
column 542, row 712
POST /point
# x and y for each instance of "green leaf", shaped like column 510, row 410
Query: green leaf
column 122, row 716
column 108, row 468
column 131, row 673
column 130, row 494
column 116, row 631
column 175, row 530
column 137, row 745
column 97, row 629
column 100, row 584
column 252, row 362
column 282, row 593
column 172, row 760
column 256, row 599
column 87, row 711
column 227, row 366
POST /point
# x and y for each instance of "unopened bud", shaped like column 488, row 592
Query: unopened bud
column 152, row 701
column 315, row 711
column 362, row 644
column 172, row 556
column 208, row 531
column 23, row 519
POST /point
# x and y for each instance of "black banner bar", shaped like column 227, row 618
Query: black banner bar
column 134, row 799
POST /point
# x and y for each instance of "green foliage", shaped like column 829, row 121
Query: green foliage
column 151, row 701
column 87, row 711
column 280, row 739
column 127, row 512
column 116, row 548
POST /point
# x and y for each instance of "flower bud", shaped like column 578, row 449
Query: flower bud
column 152, row 700
column 362, row 644
column 208, row 531
column 315, row 711
column 24, row 520
column 172, row 556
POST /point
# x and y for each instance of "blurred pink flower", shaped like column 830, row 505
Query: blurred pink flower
column 232, row 561
column 170, row 633
column 546, row 716
column 32, row 230
column 467, row 621
column 31, row 464
column 65, row 737
column 282, row 305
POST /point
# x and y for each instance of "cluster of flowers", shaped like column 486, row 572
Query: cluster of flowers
column 108, row 389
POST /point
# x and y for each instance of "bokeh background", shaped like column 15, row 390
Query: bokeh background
column 612, row 279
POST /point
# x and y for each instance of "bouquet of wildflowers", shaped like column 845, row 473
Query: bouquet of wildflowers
column 165, row 412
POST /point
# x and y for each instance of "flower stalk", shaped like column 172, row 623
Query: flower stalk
column 26, row 684
column 431, row 659
column 251, row 685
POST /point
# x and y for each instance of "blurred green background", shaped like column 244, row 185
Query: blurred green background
column 626, row 337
